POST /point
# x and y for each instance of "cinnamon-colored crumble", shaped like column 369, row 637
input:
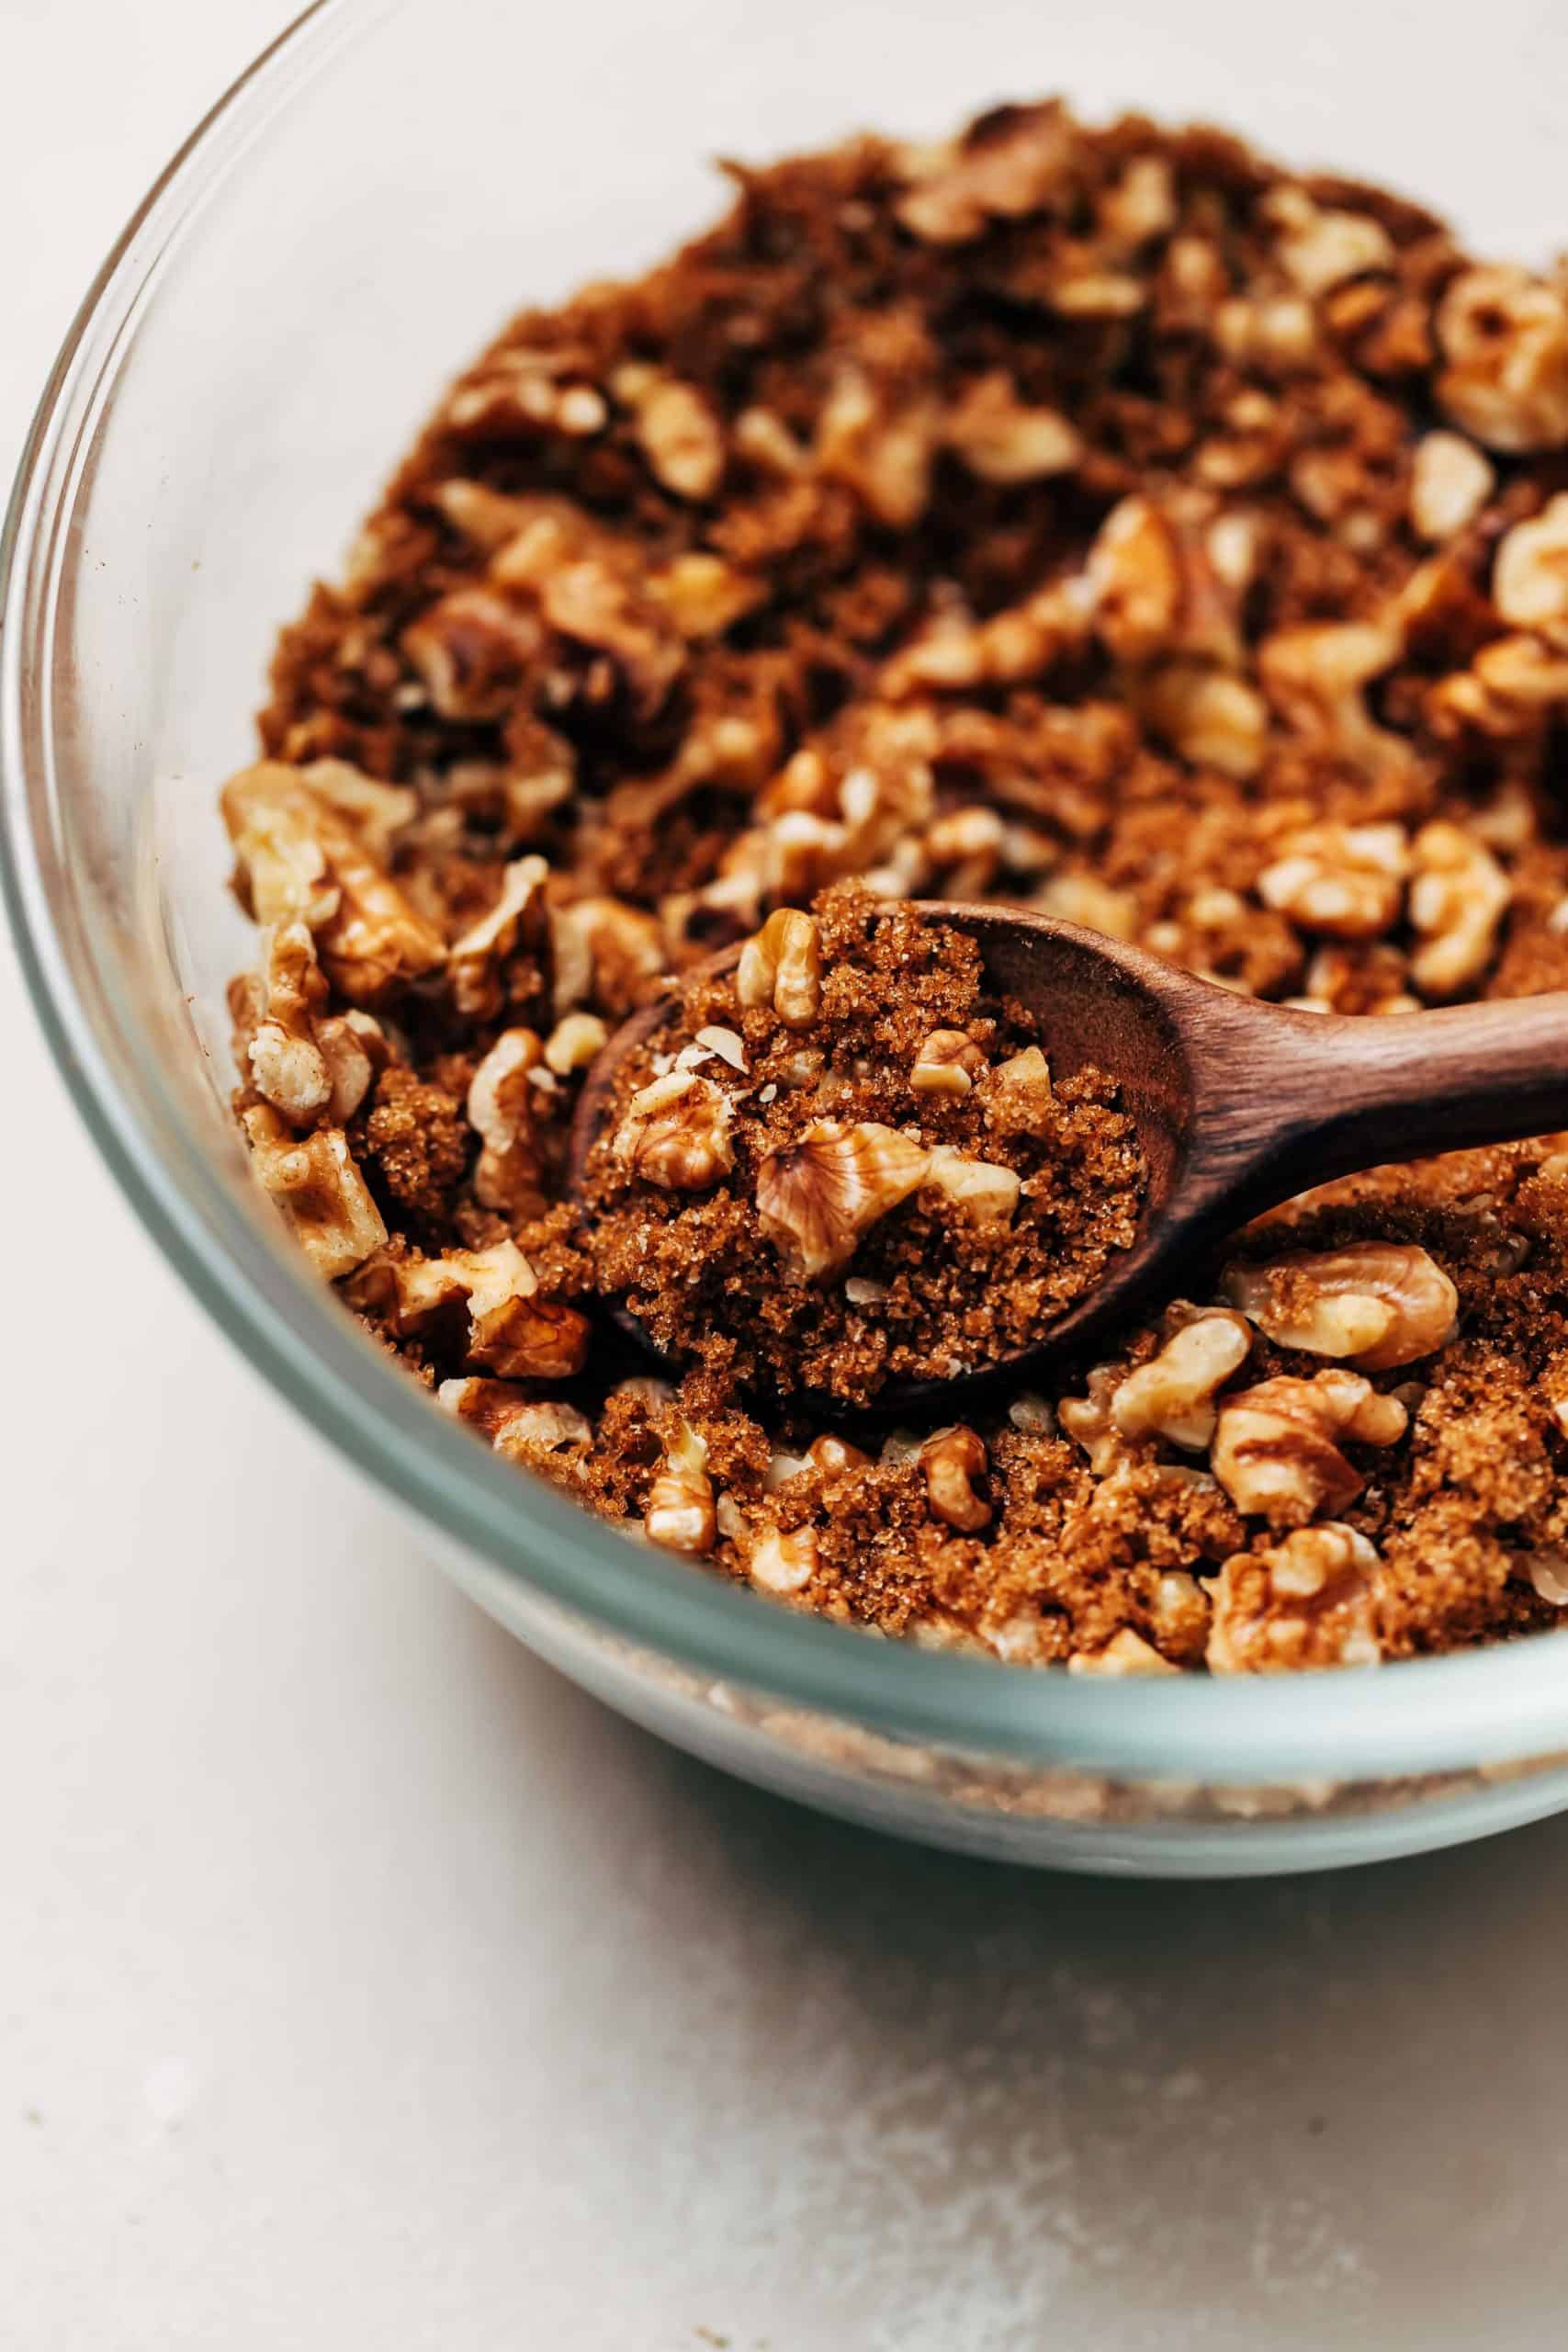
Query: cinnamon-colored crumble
column 1104, row 521
column 872, row 1179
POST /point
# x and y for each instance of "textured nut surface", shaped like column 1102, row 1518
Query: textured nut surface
column 681, row 1513
column 1505, row 337
column 983, row 1188
column 1344, row 881
column 948, row 1063
column 511, row 1419
column 1320, row 248
column 315, row 1180
column 1309, row 1600
column 1089, row 1422
column 1211, row 718
column 574, row 1040
column 782, row 966
column 817, row 1198
column 1457, row 900
column 784, row 1561
column 951, row 1460
column 500, row 1110
column 1373, row 1305
column 478, row 990
column 1450, row 481
column 1173, row 1394
column 679, row 432
column 1001, row 439
column 1125, row 1653
column 676, row 1133
column 1529, row 578
column 1276, row 1449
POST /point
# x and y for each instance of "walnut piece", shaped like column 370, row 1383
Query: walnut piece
column 681, row 1513
column 1309, row 1600
column 510, row 1419
column 500, row 1110
column 948, row 1062
column 574, row 1042
column 313, row 1067
column 602, row 948
column 1125, row 1653
column 1457, row 900
column 1275, row 1450
column 782, row 967
column 1505, row 337
column 983, row 1188
column 819, row 1196
column 1001, row 439
column 1089, row 1422
column 1373, row 1304
column 951, row 1459
column 1450, row 481
column 1211, row 718
column 311, row 852
column 1530, row 577
column 316, row 1183
column 1173, row 1394
column 784, row 1561
column 474, row 961
column 678, row 431
column 1321, row 248
column 1344, row 881
column 511, row 1331
column 1001, row 168
column 675, row 1133
column 1316, row 676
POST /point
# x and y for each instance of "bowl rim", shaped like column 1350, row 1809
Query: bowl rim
column 1499, row 1704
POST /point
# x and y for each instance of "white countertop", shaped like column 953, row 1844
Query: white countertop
column 363, row 1983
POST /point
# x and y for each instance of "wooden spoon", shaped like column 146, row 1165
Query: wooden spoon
column 1238, row 1106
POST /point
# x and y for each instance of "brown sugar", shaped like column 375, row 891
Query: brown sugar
column 1106, row 521
column 872, row 1179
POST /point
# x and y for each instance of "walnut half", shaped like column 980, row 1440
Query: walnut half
column 1276, row 1449
column 676, row 1133
column 1374, row 1303
column 1309, row 1600
column 817, row 1198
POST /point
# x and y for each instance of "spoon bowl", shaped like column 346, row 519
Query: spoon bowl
column 1238, row 1106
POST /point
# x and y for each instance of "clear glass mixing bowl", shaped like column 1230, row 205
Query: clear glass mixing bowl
column 361, row 211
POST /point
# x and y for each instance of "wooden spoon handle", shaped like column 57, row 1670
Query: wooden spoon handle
column 1314, row 1097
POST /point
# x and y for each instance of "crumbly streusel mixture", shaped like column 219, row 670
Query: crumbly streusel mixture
column 1102, row 520
column 846, row 1163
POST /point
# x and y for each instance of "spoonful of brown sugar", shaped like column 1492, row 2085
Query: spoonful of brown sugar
column 886, row 1150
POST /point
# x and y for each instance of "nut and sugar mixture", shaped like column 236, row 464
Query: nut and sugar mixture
column 1102, row 520
column 845, row 1162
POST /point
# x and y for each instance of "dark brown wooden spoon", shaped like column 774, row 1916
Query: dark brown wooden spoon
column 1238, row 1106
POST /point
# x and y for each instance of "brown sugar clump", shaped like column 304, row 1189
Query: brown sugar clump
column 882, row 1184
column 1107, row 521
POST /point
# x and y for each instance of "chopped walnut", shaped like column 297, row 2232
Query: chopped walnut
column 951, row 1459
column 1316, row 678
column 1210, row 718
column 1450, row 481
column 1321, row 248
column 603, row 949
column 984, row 1189
column 817, row 1199
column 681, row 1512
column 1308, row 1600
column 472, row 651
column 1345, row 881
column 574, row 1042
column 1529, row 578
column 500, row 1110
column 310, row 1065
column 881, row 452
column 1275, row 1449
column 1135, row 579
column 511, row 1331
column 1001, row 168
column 1504, row 338
column 473, row 962
column 1020, row 643
column 1001, row 439
column 1078, row 898
column 1125, row 1653
column 1373, row 1304
column 1017, row 1092
column 783, row 967
column 301, row 858
column 948, row 1063
column 1173, row 1394
column 1457, row 900
column 679, row 432
column 675, row 1133
column 539, row 390
column 1089, row 1422
column 315, row 1180
column 511, row 1419
column 784, row 1561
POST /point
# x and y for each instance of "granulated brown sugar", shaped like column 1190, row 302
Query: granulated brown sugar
column 1104, row 521
column 846, row 1162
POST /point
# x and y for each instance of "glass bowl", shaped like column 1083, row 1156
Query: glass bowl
column 375, row 196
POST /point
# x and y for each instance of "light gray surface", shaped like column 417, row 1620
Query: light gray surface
column 362, row 1984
